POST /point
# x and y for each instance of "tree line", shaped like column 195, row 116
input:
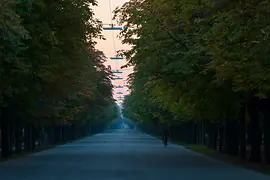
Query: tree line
column 53, row 84
column 202, row 68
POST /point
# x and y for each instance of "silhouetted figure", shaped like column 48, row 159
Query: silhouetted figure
column 165, row 134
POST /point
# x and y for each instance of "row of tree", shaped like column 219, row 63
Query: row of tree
column 53, row 84
column 203, row 65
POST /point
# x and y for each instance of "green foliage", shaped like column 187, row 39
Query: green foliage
column 49, row 64
column 12, row 34
column 194, row 59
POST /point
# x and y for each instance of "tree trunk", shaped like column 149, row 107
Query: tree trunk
column 215, row 136
column 194, row 133
column 34, row 135
column 254, row 134
column 18, row 139
column 51, row 134
column 264, row 106
column 73, row 133
column 12, row 138
column 40, row 136
column 5, row 134
column 58, row 134
column 199, row 132
column 212, row 136
column 242, row 132
column 64, row 133
column 220, row 138
column 90, row 129
column 203, row 133
column 29, row 138
column 267, row 138
column 25, row 148
column 230, row 138
column 69, row 132
column 6, row 139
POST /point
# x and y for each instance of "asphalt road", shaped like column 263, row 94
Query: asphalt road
column 121, row 155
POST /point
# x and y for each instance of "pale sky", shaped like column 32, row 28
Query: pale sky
column 103, row 13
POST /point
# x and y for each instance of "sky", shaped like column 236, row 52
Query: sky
column 112, row 42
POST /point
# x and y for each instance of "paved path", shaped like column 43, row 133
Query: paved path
column 121, row 155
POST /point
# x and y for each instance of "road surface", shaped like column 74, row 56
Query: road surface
column 121, row 155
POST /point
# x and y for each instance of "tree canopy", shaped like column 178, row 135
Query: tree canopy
column 49, row 63
column 191, row 56
column 50, row 71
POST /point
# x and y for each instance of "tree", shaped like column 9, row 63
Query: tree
column 193, row 56
column 54, row 81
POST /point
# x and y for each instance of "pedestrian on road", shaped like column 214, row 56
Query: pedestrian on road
column 165, row 134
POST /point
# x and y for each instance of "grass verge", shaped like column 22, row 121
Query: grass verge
column 259, row 167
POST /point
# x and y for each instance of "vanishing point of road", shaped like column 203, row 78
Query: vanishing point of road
column 121, row 155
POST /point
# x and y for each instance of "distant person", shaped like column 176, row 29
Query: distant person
column 165, row 135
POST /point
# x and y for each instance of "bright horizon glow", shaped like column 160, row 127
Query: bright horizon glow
column 108, row 46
